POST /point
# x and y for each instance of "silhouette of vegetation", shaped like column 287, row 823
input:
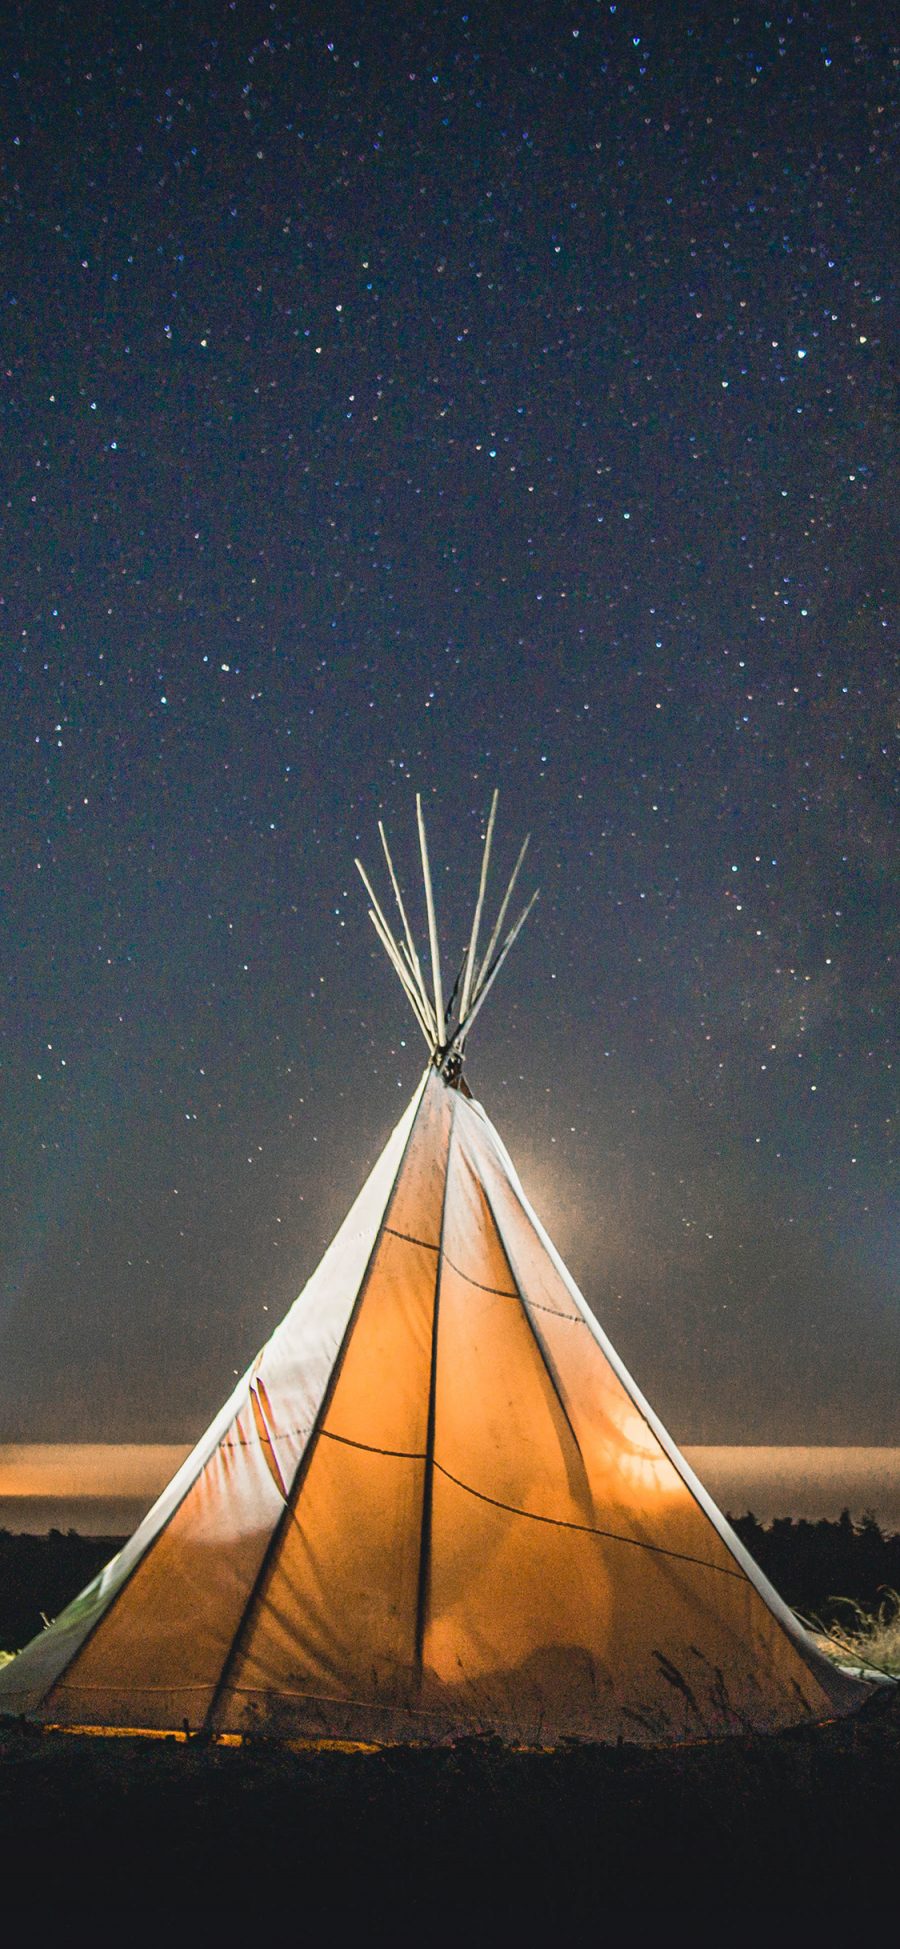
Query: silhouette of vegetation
column 818, row 1567
column 39, row 1576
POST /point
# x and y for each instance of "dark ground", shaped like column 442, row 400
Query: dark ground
column 790, row 1839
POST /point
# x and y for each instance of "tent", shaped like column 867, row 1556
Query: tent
column 436, row 1503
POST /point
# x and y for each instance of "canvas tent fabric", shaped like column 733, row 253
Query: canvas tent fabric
column 435, row 1505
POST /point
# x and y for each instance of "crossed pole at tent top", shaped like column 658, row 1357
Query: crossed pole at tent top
column 446, row 1027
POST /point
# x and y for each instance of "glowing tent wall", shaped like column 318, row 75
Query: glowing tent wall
column 437, row 1503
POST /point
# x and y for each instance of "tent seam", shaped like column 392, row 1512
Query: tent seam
column 424, row 1576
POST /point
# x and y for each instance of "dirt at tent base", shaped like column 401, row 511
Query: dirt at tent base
column 792, row 1834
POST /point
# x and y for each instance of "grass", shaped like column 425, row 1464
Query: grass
column 872, row 1637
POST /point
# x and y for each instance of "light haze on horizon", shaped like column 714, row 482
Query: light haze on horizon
column 106, row 1489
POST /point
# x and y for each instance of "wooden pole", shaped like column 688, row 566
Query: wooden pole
column 498, row 924
column 432, row 924
column 488, row 983
column 402, row 977
column 413, row 956
column 476, row 918
column 455, row 989
column 391, row 948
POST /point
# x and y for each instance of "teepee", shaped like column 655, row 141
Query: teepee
column 436, row 1503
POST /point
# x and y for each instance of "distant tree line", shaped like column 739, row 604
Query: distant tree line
column 812, row 1565
column 39, row 1576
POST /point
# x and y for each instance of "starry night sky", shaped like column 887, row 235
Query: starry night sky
column 433, row 398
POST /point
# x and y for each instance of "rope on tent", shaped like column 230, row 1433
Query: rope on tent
column 530, row 1515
